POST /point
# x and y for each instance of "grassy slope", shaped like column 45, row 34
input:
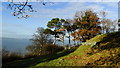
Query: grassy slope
column 106, row 54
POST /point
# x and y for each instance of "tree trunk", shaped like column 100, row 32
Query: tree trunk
column 54, row 43
column 74, row 42
column 69, row 42
column 63, row 42
column 83, row 39
column 107, row 30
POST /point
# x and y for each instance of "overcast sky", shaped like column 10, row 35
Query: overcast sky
column 24, row 28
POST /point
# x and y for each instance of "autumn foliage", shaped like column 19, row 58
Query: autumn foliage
column 88, row 26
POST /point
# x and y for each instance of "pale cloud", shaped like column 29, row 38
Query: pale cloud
column 72, row 8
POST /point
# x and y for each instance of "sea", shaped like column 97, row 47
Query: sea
column 19, row 45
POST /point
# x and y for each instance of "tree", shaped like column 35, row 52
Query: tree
column 118, row 20
column 65, row 27
column 108, row 25
column 20, row 8
column 111, row 25
column 88, row 25
column 62, row 32
column 53, row 26
column 68, row 29
column 74, row 28
column 39, row 42
column 103, row 21
column 119, row 24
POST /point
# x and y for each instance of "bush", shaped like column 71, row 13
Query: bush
column 8, row 56
column 53, row 48
column 46, row 49
column 29, row 55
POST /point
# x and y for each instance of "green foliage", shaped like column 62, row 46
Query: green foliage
column 48, row 31
column 118, row 20
column 54, row 25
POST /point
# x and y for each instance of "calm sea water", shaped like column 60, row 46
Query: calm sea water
column 19, row 45
column 13, row 44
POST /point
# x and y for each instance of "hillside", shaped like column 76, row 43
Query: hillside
column 100, row 50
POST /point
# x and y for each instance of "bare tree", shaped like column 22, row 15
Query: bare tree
column 21, row 9
column 103, row 15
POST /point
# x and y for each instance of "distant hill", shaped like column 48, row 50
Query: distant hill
column 100, row 50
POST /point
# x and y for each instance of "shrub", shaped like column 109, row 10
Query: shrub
column 53, row 48
column 46, row 49
column 8, row 56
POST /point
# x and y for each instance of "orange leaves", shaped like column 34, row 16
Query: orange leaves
column 73, row 34
column 82, row 31
column 77, row 38
column 87, row 25
column 60, row 30
column 92, row 32
column 85, row 22
column 75, row 20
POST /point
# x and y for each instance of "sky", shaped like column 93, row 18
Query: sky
column 12, row 27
